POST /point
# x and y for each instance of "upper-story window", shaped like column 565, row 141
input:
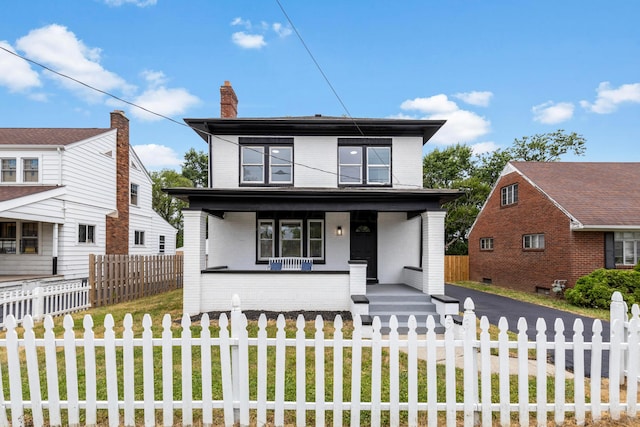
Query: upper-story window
column 509, row 195
column 8, row 170
column 30, row 170
column 364, row 161
column 134, row 194
column 266, row 161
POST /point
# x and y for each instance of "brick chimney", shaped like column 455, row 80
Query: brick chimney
column 118, row 223
column 228, row 101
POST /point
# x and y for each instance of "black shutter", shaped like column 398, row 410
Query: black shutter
column 609, row 252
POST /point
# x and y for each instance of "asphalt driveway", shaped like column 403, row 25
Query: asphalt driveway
column 495, row 307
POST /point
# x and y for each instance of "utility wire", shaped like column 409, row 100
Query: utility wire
column 326, row 79
column 133, row 104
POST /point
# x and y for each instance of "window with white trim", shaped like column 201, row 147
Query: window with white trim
column 364, row 161
column 509, row 195
column 161, row 244
column 315, row 240
column 29, row 240
column 265, row 239
column 86, row 233
column 533, row 241
column 9, row 169
column 278, row 236
column 486, row 244
column 134, row 194
column 627, row 247
column 30, row 170
column 266, row 161
column 291, row 238
column 138, row 238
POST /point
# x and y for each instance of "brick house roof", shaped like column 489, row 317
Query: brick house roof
column 46, row 136
column 16, row 191
column 595, row 194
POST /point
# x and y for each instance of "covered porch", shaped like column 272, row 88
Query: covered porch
column 354, row 236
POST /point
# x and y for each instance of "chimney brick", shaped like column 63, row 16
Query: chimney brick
column 118, row 225
column 228, row 101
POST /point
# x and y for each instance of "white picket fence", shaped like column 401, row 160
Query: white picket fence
column 54, row 300
column 130, row 380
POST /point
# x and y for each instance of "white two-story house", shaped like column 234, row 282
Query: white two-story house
column 66, row 193
column 343, row 195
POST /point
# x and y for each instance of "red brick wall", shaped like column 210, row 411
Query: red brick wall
column 118, row 225
column 567, row 255
column 228, row 102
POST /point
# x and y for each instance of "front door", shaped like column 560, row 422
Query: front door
column 364, row 241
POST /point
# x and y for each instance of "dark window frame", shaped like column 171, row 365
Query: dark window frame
column 89, row 234
column 138, row 237
column 277, row 218
column 266, row 144
column 365, row 144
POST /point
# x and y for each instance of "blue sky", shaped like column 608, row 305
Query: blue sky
column 495, row 70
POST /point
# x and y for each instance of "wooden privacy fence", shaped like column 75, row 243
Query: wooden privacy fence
column 118, row 278
column 314, row 376
column 456, row 268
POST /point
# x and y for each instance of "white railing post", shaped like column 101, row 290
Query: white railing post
column 357, row 277
column 470, row 356
column 37, row 302
column 236, row 324
column 618, row 311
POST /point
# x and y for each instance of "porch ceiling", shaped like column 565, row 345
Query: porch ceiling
column 317, row 199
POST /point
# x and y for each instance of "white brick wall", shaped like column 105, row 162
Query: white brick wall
column 398, row 245
column 194, row 260
column 433, row 252
column 358, row 279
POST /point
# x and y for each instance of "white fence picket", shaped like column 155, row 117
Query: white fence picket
column 559, row 359
column 578, row 371
column 319, row 371
column 240, row 407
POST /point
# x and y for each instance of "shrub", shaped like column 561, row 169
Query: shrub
column 595, row 290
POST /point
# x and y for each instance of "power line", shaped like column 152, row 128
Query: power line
column 133, row 104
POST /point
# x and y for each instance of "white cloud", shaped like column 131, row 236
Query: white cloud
column 16, row 73
column 481, row 99
column 551, row 113
column 139, row 3
column 241, row 22
column 162, row 100
column 484, row 147
column 154, row 78
column 437, row 104
column 462, row 126
column 58, row 48
column 248, row 41
column 280, row 30
column 609, row 98
column 157, row 157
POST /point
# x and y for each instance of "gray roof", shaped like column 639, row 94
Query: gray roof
column 47, row 136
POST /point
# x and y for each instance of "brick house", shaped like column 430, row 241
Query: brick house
column 548, row 221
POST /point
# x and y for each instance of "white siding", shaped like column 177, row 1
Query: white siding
column 48, row 164
column 321, row 153
column 225, row 159
column 398, row 245
column 46, row 210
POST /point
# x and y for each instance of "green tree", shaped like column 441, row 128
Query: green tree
column 196, row 167
column 547, row 147
column 442, row 168
column 165, row 205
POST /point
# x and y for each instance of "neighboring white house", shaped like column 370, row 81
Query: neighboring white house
column 345, row 192
column 66, row 193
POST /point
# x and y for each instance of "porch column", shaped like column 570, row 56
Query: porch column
column 194, row 259
column 54, row 249
column 433, row 252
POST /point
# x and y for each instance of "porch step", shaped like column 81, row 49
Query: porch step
column 402, row 301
